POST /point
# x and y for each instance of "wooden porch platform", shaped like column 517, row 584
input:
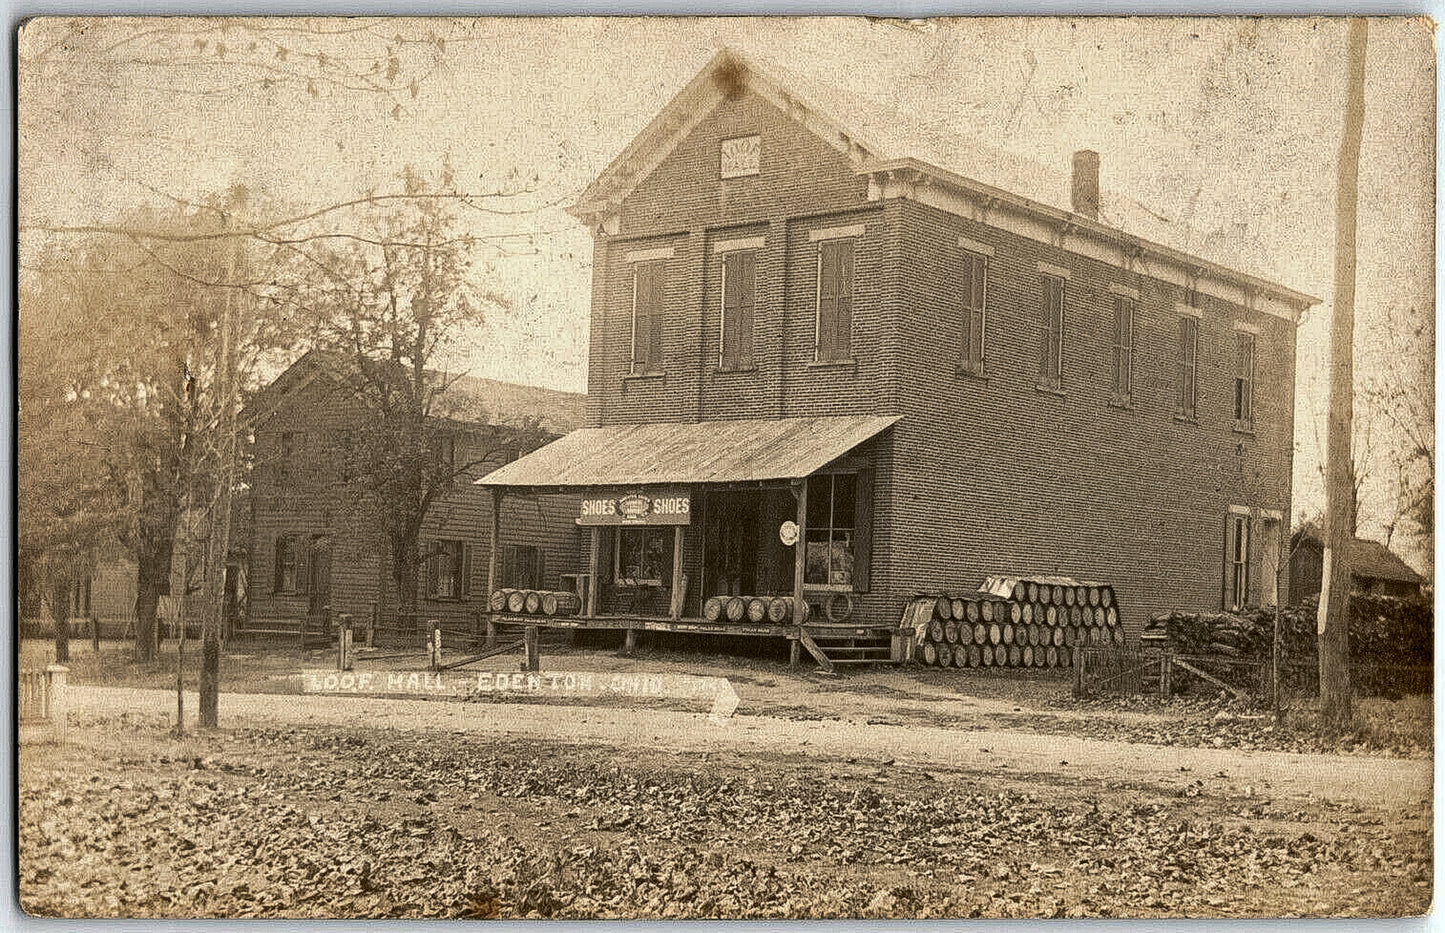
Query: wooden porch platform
column 692, row 625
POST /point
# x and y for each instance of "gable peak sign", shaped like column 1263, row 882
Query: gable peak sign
column 657, row 505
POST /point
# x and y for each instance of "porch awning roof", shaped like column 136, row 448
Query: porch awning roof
column 738, row 451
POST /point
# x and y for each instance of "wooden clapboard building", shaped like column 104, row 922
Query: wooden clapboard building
column 313, row 551
column 810, row 320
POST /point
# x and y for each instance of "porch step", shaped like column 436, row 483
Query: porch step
column 852, row 650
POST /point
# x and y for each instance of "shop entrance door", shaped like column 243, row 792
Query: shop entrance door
column 730, row 558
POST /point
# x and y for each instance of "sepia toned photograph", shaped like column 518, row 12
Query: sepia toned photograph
column 701, row 468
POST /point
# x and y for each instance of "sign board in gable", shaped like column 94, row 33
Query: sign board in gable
column 655, row 505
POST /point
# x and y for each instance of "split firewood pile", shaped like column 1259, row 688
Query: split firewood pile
column 535, row 602
column 1014, row 622
column 755, row 609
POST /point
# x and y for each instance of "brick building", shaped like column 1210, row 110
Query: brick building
column 816, row 315
column 311, row 548
column 1375, row 570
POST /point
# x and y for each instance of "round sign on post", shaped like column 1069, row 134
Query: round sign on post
column 788, row 533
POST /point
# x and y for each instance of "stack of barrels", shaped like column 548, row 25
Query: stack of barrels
column 535, row 602
column 755, row 609
column 1033, row 623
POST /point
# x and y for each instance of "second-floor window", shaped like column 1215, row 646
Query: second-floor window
column 649, row 280
column 833, row 340
column 974, row 313
column 1051, row 334
column 1122, row 367
column 1185, row 405
column 739, row 285
column 1244, row 381
column 287, row 457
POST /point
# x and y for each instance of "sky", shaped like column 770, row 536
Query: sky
column 1231, row 125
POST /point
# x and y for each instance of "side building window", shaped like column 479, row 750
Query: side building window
column 285, row 578
column 739, row 285
column 1185, row 404
column 1122, row 361
column 839, row 532
column 449, row 570
column 833, row 338
column 974, row 314
column 649, row 282
column 1051, row 334
column 1244, row 380
column 1237, row 546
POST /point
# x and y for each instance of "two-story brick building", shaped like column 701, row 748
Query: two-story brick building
column 923, row 376
column 311, row 548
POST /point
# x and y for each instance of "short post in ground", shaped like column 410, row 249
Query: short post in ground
column 531, row 642
column 345, row 646
column 434, row 644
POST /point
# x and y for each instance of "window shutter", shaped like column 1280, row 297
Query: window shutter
column 1229, row 543
column 862, row 530
column 827, row 302
column 303, row 568
column 843, row 338
column 429, row 558
column 655, row 314
column 1046, row 327
column 465, row 583
column 747, row 288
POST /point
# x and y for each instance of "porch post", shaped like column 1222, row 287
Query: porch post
column 492, row 551
column 592, row 582
column 677, row 577
column 800, row 552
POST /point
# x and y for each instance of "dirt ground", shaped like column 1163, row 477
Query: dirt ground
column 887, row 793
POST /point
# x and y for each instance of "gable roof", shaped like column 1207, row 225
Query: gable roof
column 1367, row 558
column 877, row 139
column 465, row 398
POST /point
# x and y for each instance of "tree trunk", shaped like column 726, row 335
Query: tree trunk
column 60, row 612
column 1334, row 611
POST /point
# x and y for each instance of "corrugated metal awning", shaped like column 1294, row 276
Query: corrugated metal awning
column 707, row 452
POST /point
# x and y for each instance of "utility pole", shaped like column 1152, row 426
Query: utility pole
column 1334, row 611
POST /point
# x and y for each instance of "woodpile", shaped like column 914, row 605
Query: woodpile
column 778, row 610
column 1032, row 622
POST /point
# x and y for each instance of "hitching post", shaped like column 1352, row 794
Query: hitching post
column 531, row 640
column 344, row 657
column 434, row 646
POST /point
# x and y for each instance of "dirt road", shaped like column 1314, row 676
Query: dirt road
column 1377, row 781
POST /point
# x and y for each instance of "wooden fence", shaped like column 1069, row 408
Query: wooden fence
column 41, row 694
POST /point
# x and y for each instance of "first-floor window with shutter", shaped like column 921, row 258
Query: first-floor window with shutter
column 739, row 273
column 1123, row 358
column 449, row 570
column 1236, row 560
column 522, row 567
column 1185, row 402
column 834, row 333
column 974, row 313
column 1244, row 381
column 285, row 576
column 649, row 281
column 1051, row 342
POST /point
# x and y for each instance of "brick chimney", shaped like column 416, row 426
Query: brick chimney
column 1084, row 198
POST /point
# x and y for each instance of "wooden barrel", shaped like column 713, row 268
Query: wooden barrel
column 1071, row 636
column 985, row 654
column 516, row 600
column 1051, row 656
column 986, row 611
column 1026, row 656
column 1093, row 596
column 1015, row 655
column 1015, row 613
column 1041, row 656
column 779, row 609
column 956, row 609
column 1033, row 592
column 1052, row 616
column 757, row 609
column 968, row 655
column 1081, row 595
column 930, row 653
column 980, row 633
column 1118, row 635
column 945, row 655
column 1058, row 595
column 1056, row 637
column 943, row 608
column 533, row 602
column 935, row 630
column 1046, row 595
column 1068, row 596
column 950, row 632
column 1111, row 617
column 1026, row 613
column 1037, row 635
column 737, row 608
column 1076, row 614
column 970, row 610
column 560, row 603
column 497, row 602
column 1008, row 633
column 1106, row 597
column 712, row 609
column 1095, row 617
column 1066, row 657
column 1021, row 591
column 995, row 634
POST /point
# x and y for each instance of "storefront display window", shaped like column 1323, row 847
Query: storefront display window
column 642, row 556
column 831, row 531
